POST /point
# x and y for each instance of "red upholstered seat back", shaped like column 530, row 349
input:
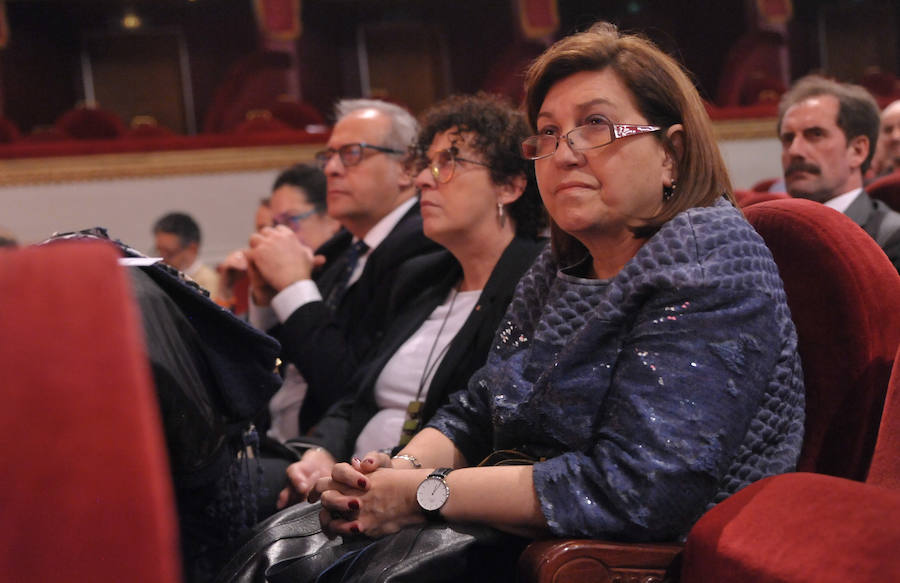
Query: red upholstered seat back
column 885, row 468
column 797, row 528
column 887, row 189
column 747, row 197
column 90, row 123
column 844, row 296
column 86, row 494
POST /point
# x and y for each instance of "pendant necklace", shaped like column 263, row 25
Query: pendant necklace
column 414, row 410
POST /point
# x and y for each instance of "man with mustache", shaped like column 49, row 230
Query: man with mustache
column 828, row 132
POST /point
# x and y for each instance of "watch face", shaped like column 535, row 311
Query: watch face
column 432, row 494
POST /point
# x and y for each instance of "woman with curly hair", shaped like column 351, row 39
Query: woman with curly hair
column 479, row 201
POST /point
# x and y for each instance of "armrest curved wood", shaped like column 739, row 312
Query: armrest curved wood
column 597, row 561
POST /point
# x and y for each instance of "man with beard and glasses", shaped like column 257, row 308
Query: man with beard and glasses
column 828, row 132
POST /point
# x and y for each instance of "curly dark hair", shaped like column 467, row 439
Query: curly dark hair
column 497, row 131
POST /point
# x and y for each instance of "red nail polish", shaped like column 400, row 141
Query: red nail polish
column 353, row 505
column 369, row 460
column 354, row 529
column 361, row 482
column 357, row 460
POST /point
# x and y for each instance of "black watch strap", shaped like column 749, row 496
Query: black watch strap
column 440, row 473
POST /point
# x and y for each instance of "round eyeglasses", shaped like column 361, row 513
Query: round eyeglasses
column 443, row 166
column 586, row 137
column 350, row 154
column 290, row 221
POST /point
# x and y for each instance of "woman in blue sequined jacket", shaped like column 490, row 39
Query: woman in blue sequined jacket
column 647, row 361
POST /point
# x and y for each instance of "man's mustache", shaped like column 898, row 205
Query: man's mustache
column 802, row 167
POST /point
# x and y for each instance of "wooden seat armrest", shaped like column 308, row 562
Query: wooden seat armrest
column 597, row 561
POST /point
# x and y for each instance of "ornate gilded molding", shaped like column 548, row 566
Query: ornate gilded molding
column 147, row 164
column 745, row 129
column 21, row 171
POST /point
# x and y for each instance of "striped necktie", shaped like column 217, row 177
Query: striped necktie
column 350, row 260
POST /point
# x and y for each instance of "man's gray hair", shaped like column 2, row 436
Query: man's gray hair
column 403, row 125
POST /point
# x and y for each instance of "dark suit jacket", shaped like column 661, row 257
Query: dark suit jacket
column 880, row 222
column 326, row 346
column 422, row 286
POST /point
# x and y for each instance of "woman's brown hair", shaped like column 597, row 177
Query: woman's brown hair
column 663, row 93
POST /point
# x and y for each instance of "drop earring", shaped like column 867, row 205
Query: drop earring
column 668, row 192
column 500, row 215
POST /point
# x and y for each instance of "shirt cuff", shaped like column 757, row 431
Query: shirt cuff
column 261, row 317
column 294, row 296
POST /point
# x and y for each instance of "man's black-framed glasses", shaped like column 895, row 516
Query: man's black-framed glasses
column 444, row 164
column 292, row 221
column 351, row 154
column 586, row 137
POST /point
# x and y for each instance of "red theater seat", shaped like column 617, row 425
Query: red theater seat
column 844, row 297
column 90, row 123
column 887, row 189
column 253, row 82
column 87, row 495
column 808, row 527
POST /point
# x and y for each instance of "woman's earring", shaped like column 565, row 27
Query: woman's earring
column 500, row 216
column 669, row 191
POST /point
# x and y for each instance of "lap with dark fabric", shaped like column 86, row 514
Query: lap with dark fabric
column 290, row 547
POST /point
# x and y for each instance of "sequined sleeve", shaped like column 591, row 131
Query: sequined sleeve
column 696, row 357
column 651, row 396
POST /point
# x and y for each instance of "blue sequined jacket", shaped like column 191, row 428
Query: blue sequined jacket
column 652, row 395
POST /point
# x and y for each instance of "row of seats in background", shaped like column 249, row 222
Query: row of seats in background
column 95, row 123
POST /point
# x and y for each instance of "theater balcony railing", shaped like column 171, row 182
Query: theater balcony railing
column 27, row 161
column 70, row 160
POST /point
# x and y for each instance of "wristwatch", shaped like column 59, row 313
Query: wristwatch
column 433, row 493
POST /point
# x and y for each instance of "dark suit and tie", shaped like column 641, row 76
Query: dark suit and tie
column 326, row 344
column 880, row 222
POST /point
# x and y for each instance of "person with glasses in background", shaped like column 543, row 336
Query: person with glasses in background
column 480, row 202
column 177, row 239
column 298, row 202
column 647, row 365
column 327, row 306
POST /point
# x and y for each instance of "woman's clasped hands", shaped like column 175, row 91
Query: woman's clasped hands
column 368, row 497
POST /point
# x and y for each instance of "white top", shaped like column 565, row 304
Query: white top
column 842, row 201
column 305, row 291
column 401, row 377
column 284, row 406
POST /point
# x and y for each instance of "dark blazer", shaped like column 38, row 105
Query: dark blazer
column 423, row 285
column 327, row 345
column 880, row 222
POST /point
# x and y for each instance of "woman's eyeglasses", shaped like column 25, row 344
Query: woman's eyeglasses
column 290, row 221
column 586, row 137
column 444, row 164
column 351, row 154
